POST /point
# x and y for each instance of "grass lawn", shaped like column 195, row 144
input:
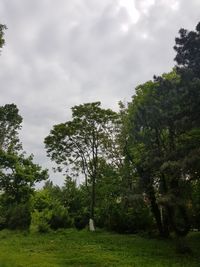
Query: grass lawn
column 82, row 248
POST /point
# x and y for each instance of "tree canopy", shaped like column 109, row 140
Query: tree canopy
column 81, row 144
column 2, row 29
column 18, row 173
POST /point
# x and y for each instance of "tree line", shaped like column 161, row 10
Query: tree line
column 139, row 166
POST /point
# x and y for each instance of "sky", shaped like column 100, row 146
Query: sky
column 64, row 53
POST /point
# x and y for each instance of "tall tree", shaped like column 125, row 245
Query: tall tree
column 10, row 124
column 78, row 145
column 157, row 130
column 188, row 66
column 164, row 134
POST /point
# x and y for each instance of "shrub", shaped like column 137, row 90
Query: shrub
column 54, row 218
column 81, row 220
column 60, row 218
column 40, row 221
column 18, row 217
column 131, row 218
column 43, row 227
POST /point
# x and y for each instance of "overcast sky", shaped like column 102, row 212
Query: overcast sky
column 66, row 52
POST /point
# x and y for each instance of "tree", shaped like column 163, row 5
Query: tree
column 10, row 124
column 157, row 132
column 187, row 58
column 188, row 51
column 18, row 173
column 79, row 144
column 2, row 41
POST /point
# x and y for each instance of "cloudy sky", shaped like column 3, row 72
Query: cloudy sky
column 66, row 52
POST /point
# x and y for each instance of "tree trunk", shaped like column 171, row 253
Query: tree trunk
column 154, row 206
column 156, row 212
column 160, row 221
column 164, row 209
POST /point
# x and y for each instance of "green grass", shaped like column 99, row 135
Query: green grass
column 82, row 248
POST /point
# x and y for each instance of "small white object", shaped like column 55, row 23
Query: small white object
column 91, row 225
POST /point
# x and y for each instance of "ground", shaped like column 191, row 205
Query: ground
column 83, row 248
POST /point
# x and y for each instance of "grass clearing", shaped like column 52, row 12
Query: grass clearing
column 83, row 248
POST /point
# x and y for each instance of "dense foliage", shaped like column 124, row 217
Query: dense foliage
column 2, row 41
column 18, row 173
column 82, row 144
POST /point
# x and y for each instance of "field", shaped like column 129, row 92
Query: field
column 82, row 248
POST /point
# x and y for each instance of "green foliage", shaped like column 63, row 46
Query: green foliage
column 53, row 219
column 18, row 173
column 2, row 29
column 15, row 216
column 10, row 124
column 73, row 197
column 40, row 221
column 77, row 201
column 60, row 218
column 188, row 50
column 19, row 217
column 157, row 144
column 123, row 218
column 48, row 210
column 195, row 205
column 81, row 220
column 80, row 144
column 18, row 176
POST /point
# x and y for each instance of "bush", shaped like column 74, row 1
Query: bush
column 131, row 218
column 18, row 217
column 3, row 213
column 40, row 221
column 81, row 220
column 60, row 218
column 43, row 227
column 54, row 218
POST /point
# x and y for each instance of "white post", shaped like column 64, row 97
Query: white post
column 91, row 225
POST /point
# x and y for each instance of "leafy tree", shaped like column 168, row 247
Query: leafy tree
column 188, row 51
column 163, row 136
column 79, row 144
column 77, row 200
column 157, row 131
column 72, row 196
column 10, row 124
column 188, row 66
column 18, row 173
column 2, row 41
